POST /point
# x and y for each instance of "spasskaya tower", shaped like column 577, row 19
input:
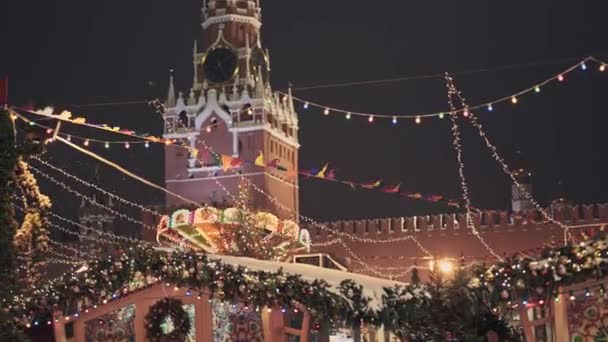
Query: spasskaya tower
column 231, row 109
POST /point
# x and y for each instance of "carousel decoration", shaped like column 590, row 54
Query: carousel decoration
column 233, row 231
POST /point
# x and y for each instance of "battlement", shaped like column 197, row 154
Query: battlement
column 486, row 220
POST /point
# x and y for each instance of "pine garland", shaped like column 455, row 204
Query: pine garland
column 415, row 312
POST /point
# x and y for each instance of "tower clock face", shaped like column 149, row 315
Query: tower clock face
column 220, row 65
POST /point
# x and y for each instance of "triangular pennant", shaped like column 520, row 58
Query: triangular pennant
column 259, row 161
column 321, row 174
column 391, row 189
column 371, row 185
column 226, row 162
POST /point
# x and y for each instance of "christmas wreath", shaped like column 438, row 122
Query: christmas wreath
column 162, row 310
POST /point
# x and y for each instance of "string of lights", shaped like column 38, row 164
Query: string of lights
column 66, row 247
column 378, row 271
column 89, row 199
column 327, row 110
column 94, row 232
column 507, row 170
column 504, row 166
column 281, row 206
column 94, row 186
column 458, row 149
column 127, row 172
column 356, row 257
column 489, row 106
column 51, row 260
column 58, row 254
column 437, row 75
column 353, row 237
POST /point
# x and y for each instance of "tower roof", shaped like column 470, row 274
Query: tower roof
column 215, row 8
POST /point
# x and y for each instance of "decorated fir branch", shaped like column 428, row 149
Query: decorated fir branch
column 535, row 280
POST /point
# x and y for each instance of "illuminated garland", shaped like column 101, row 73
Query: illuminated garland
column 458, row 149
column 403, row 310
column 197, row 272
column 534, row 280
column 489, row 106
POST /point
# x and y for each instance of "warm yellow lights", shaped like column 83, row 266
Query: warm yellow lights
column 443, row 266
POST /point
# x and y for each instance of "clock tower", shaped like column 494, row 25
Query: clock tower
column 231, row 109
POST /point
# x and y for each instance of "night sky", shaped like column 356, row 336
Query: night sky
column 67, row 53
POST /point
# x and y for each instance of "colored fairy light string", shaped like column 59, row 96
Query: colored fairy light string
column 89, row 199
column 463, row 182
column 559, row 77
column 505, row 167
column 96, row 187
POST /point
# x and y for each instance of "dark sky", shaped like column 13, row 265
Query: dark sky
column 76, row 52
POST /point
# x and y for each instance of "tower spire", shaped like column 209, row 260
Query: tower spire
column 171, row 92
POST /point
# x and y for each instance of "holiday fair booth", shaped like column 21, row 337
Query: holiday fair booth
column 234, row 299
